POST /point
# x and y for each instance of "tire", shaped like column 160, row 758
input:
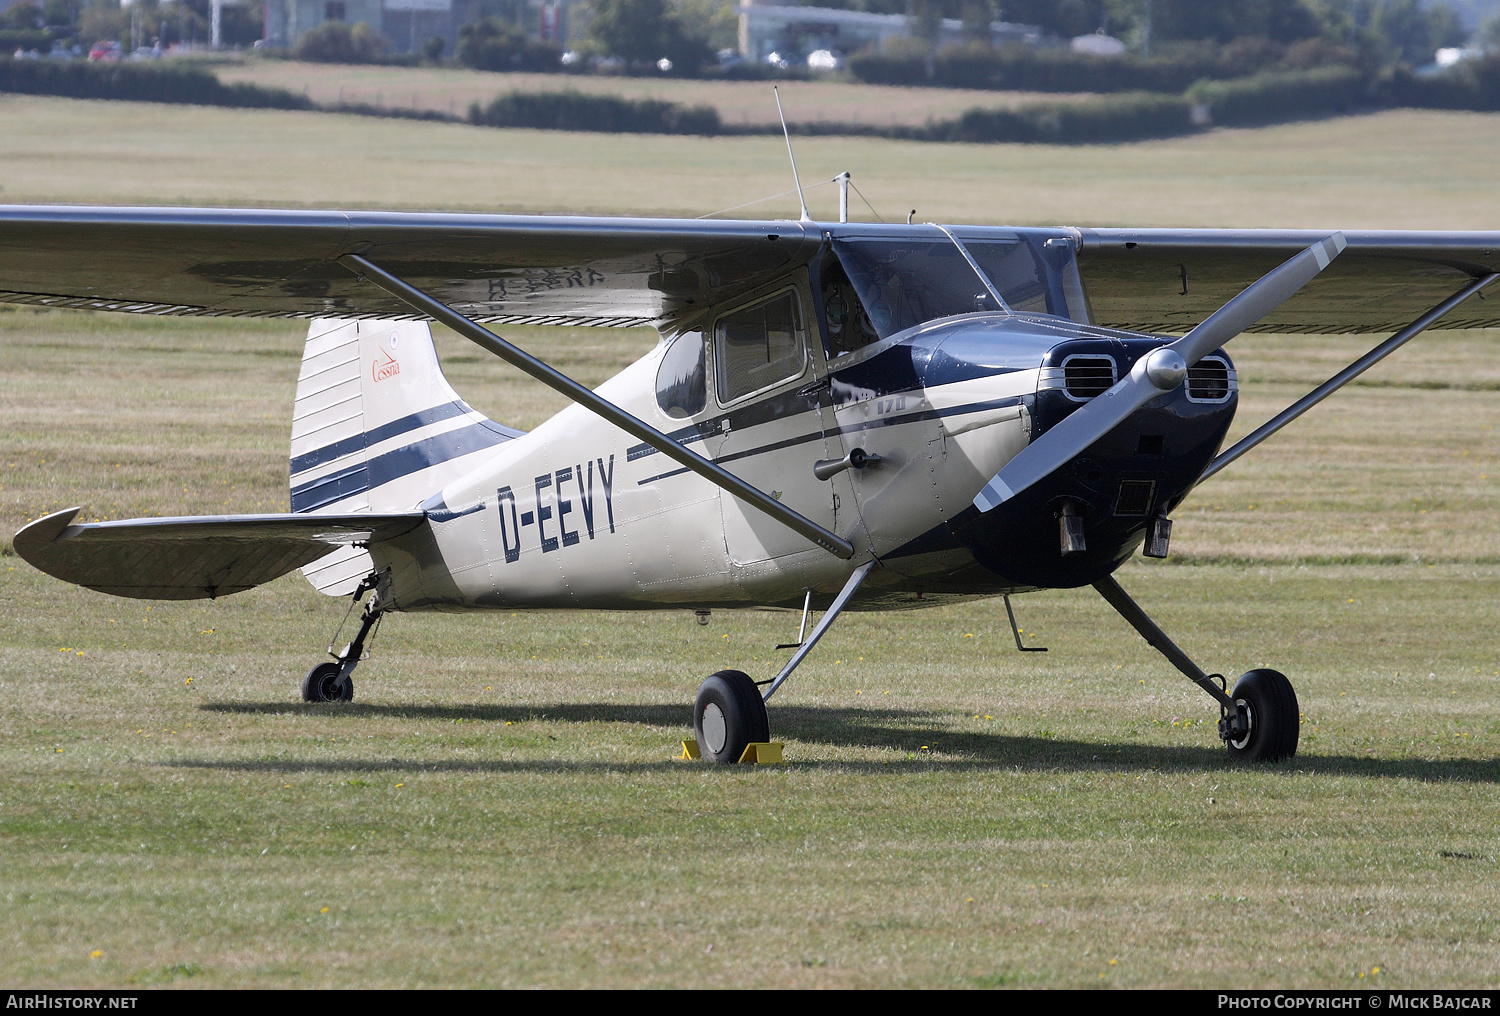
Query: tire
column 321, row 685
column 729, row 714
column 1275, row 720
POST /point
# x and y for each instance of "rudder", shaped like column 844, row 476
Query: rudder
column 376, row 428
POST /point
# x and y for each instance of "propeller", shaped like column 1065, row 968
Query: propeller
column 1154, row 374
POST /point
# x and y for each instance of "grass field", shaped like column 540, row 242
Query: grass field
column 499, row 805
column 1393, row 170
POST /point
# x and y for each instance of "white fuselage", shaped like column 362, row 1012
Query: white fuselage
column 577, row 513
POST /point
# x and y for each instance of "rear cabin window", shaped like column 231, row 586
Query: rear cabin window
column 759, row 346
column 681, row 384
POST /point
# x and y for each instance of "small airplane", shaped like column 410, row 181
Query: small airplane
column 838, row 415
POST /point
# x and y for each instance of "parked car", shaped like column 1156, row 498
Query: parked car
column 106, row 49
column 823, row 60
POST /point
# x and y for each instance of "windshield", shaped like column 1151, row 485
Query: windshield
column 901, row 283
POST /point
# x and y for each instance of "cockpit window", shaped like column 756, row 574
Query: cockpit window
column 902, row 283
column 759, row 346
column 849, row 327
column 1016, row 272
column 1034, row 274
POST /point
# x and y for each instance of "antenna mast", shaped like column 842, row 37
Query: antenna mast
column 788, row 135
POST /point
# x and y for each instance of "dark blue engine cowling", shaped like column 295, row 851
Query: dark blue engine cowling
column 1141, row 470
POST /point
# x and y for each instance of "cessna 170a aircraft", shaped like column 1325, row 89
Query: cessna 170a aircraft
column 838, row 415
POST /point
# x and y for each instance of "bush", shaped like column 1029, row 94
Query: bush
column 1282, row 96
column 1126, row 117
column 337, row 42
column 1473, row 84
column 79, row 79
column 1023, row 68
column 12, row 39
column 574, row 111
column 495, row 45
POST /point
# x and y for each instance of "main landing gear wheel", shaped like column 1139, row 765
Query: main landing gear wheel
column 1269, row 703
column 322, row 685
column 729, row 714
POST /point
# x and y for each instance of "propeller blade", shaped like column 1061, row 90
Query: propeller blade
column 1154, row 374
column 1264, row 296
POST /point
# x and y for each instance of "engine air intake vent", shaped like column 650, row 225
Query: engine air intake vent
column 1211, row 380
column 1085, row 377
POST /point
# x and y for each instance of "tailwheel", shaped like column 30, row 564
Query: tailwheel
column 1269, row 720
column 729, row 714
column 322, row 684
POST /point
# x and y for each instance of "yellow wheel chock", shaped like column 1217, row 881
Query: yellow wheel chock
column 756, row 752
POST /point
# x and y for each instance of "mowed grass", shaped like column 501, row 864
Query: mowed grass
column 1401, row 169
column 499, row 806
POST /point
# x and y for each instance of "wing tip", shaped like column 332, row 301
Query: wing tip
column 32, row 539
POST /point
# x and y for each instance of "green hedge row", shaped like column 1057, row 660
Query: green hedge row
column 575, row 111
column 12, row 39
column 1128, row 117
column 1473, row 84
column 1033, row 70
column 1264, row 98
column 78, row 79
column 1283, row 96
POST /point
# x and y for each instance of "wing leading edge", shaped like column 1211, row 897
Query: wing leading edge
column 1169, row 280
column 202, row 557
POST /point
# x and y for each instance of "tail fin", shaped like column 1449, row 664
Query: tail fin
column 376, row 428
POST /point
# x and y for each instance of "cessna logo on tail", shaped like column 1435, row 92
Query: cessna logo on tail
column 384, row 366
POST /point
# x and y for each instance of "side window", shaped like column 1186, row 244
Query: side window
column 681, row 384
column 759, row 346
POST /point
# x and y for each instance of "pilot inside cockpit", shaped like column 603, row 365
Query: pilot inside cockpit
column 873, row 288
column 849, row 325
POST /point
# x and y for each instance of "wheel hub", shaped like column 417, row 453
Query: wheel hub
column 715, row 729
column 1237, row 727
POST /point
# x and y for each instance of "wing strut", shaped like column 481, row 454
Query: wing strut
column 516, row 357
column 1346, row 375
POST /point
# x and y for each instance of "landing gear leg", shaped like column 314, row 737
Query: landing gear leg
column 730, row 711
column 1260, row 721
column 334, row 682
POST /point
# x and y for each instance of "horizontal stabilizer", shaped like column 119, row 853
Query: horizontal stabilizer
column 198, row 557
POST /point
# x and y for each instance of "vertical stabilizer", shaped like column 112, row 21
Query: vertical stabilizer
column 376, row 427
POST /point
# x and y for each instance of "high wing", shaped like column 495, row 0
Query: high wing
column 496, row 268
column 623, row 271
column 194, row 558
column 1168, row 280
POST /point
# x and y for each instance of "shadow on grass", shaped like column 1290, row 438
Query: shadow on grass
column 920, row 735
